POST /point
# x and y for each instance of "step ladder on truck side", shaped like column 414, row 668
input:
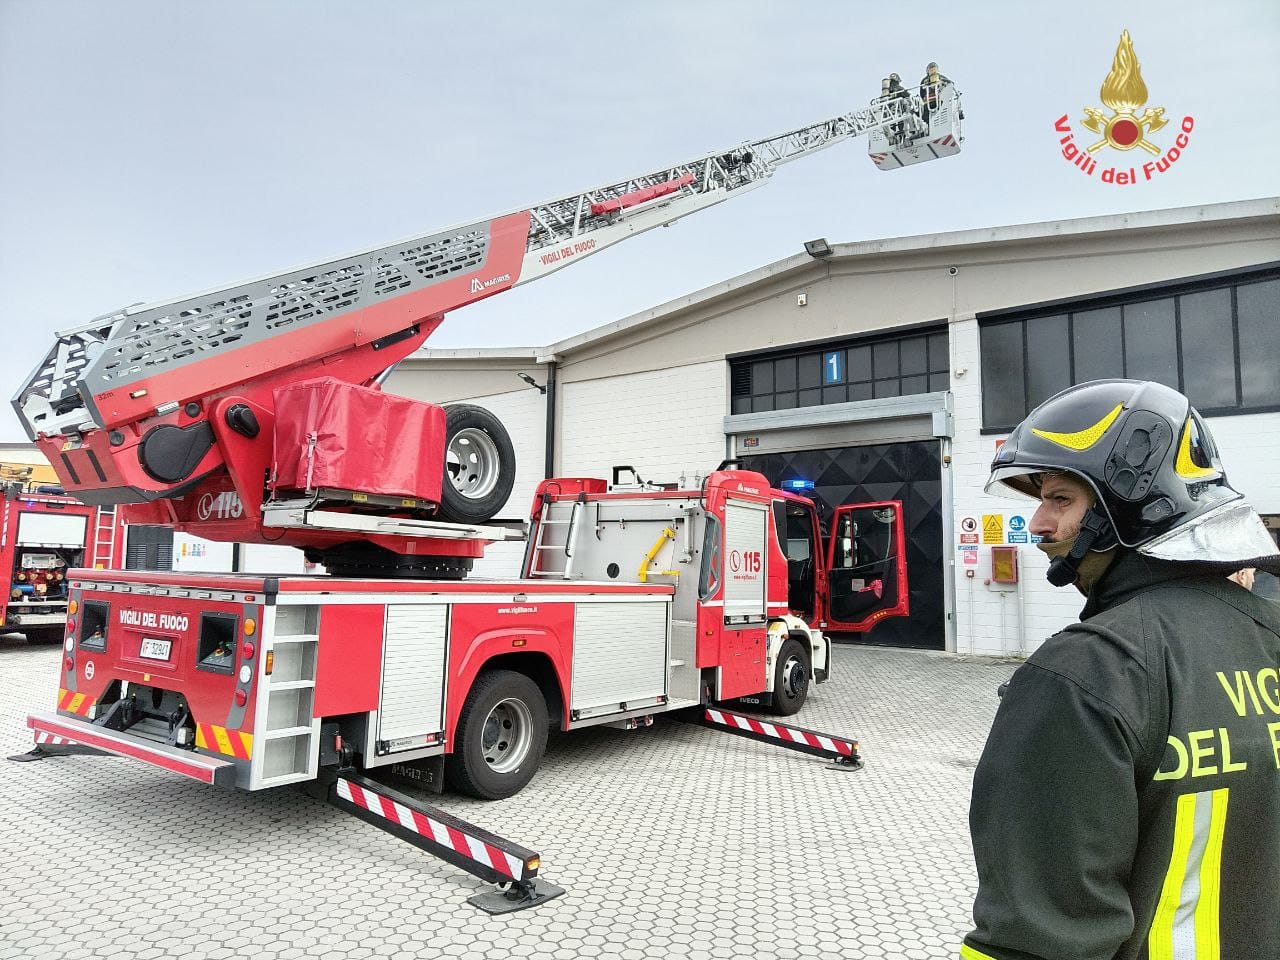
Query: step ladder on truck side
column 238, row 415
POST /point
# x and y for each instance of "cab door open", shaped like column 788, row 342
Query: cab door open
column 866, row 566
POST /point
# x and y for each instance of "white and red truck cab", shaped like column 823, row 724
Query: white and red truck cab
column 632, row 602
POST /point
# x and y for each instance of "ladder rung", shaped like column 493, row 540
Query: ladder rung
column 288, row 732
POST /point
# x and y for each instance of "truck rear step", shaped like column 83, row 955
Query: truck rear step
column 221, row 773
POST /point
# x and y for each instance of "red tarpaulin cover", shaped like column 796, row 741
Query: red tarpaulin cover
column 339, row 435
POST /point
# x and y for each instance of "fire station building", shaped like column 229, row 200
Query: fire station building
column 892, row 369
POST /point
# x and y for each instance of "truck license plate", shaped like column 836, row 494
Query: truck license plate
column 154, row 649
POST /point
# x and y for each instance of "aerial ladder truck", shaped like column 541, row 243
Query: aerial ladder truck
column 254, row 413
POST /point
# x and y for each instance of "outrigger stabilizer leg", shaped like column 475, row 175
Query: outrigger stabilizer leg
column 841, row 750
column 49, row 746
column 491, row 858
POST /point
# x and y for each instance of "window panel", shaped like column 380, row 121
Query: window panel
column 859, row 363
column 1258, row 315
column 1208, row 349
column 1004, row 400
column 1048, row 358
column 784, row 374
column 1099, row 345
column 939, row 357
column 913, row 356
column 834, row 394
column 762, row 377
column 939, row 382
column 741, row 404
column 764, row 403
column 885, row 356
column 810, row 398
column 784, row 401
column 859, row 391
column 1150, row 342
column 810, row 372
column 912, row 385
column 887, row 388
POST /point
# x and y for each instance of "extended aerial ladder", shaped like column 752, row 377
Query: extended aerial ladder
column 171, row 407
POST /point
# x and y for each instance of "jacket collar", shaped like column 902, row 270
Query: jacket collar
column 1132, row 573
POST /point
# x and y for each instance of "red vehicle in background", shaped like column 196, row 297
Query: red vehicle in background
column 43, row 535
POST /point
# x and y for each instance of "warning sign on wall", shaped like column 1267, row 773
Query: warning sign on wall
column 992, row 528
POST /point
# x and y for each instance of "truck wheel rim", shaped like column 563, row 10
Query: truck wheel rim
column 472, row 463
column 794, row 678
column 507, row 735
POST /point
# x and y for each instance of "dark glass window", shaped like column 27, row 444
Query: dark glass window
column 913, row 357
column 939, row 356
column 885, row 359
column 1097, row 339
column 1004, row 396
column 1208, row 348
column 762, row 377
column 784, row 374
column 859, row 391
column 1048, row 356
column 859, row 364
column 884, row 366
column 1216, row 340
column 1258, row 313
column 810, row 372
column 1151, row 342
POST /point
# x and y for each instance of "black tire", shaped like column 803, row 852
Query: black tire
column 791, row 676
column 501, row 704
column 479, row 465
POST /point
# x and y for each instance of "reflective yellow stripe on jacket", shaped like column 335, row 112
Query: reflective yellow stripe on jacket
column 1185, row 926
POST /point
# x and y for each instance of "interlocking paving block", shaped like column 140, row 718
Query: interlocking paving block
column 672, row 840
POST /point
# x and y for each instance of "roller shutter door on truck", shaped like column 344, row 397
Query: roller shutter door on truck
column 745, row 573
column 51, row 530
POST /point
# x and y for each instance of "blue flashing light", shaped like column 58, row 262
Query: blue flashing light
column 797, row 485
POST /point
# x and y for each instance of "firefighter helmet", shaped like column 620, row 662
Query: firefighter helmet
column 1152, row 465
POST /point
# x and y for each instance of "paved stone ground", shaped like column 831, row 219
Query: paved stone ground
column 673, row 841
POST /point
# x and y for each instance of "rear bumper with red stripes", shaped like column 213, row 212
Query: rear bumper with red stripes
column 221, row 773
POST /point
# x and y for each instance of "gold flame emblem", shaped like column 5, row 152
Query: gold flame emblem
column 1125, row 93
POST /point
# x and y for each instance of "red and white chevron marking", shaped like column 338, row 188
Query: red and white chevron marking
column 947, row 141
column 425, row 826
column 777, row 731
column 48, row 738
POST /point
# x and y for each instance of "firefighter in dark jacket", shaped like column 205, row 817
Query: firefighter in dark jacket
column 1127, row 804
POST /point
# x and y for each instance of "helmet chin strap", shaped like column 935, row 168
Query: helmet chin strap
column 1095, row 530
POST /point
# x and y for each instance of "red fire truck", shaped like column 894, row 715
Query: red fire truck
column 255, row 414
column 43, row 535
column 632, row 602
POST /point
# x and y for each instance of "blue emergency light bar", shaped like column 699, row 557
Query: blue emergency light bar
column 797, row 485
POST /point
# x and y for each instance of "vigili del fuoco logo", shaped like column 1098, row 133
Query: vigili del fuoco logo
column 1122, row 127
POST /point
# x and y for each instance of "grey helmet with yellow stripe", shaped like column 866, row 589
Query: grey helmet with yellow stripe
column 1153, row 466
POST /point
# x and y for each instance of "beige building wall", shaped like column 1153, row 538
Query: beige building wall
column 651, row 390
column 662, row 422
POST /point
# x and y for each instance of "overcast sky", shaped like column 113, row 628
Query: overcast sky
column 155, row 149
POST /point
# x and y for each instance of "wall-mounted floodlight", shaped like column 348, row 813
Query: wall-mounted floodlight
column 532, row 382
column 818, row 248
